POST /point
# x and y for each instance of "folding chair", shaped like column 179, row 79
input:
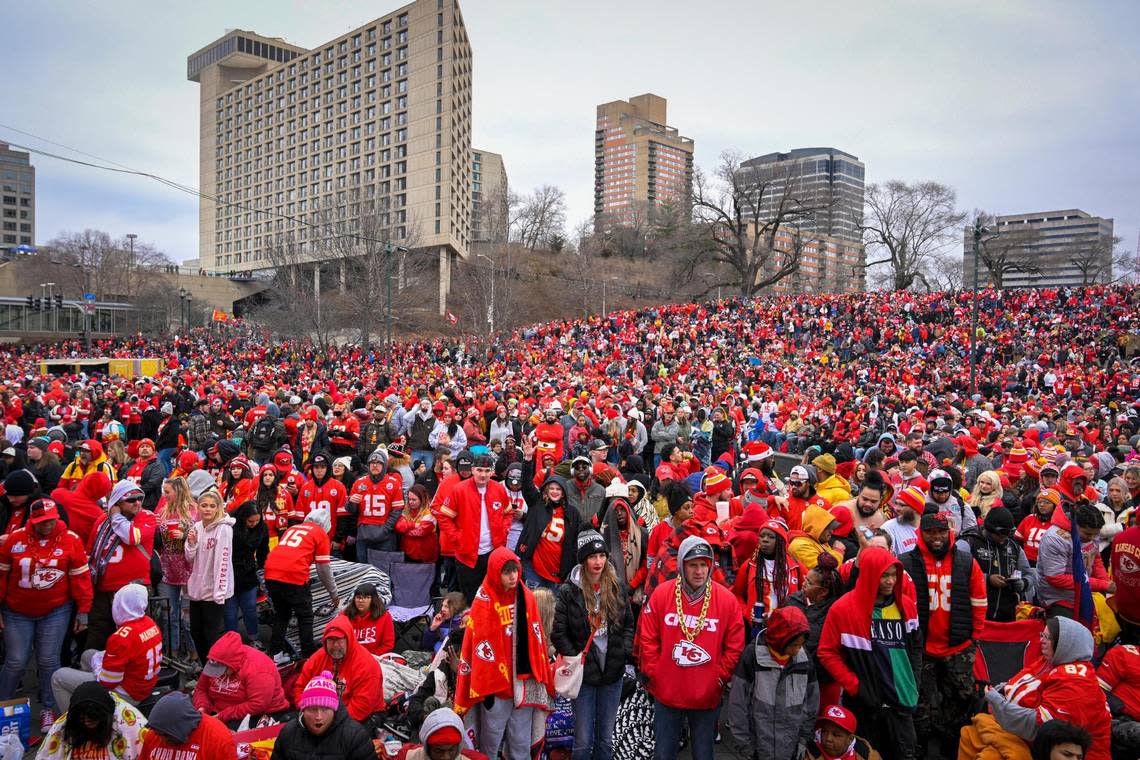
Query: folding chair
column 383, row 561
column 411, row 606
column 1006, row 648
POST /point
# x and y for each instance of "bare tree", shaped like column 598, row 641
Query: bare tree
column 491, row 219
column 906, row 225
column 97, row 263
column 295, row 306
column 1005, row 250
column 1094, row 260
column 487, row 284
column 541, row 217
column 749, row 224
column 944, row 271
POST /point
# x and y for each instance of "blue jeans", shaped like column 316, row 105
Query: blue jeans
column 595, row 712
column 178, row 626
column 164, row 456
column 21, row 633
column 667, row 728
column 246, row 602
column 533, row 580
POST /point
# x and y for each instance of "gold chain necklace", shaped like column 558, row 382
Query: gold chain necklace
column 691, row 633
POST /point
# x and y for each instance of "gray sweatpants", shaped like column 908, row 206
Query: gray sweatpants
column 504, row 720
column 65, row 681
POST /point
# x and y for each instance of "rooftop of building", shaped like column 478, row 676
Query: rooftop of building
column 796, row 154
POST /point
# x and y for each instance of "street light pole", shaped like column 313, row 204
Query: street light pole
column 979, row 231
column 388, row 311
column 491, row 308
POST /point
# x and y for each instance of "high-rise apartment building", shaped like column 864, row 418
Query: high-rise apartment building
column 827, row 180
column 639, row 161
column 18, row 197
column 488, row 197
column 1044, row 249
column 376, row 121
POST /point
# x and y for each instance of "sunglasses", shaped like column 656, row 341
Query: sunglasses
column 790, row 482
column 131, row 499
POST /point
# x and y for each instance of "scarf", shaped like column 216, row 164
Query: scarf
column 848, row 754
column 106, row 542
column 489, row 663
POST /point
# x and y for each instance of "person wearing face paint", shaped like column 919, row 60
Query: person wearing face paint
column 774, row 695
column 690, row 640
column 44, row 576
column 1059, row 685
column 951, row 603
column 593, row 615
column 503, row 666
column 872, row 645
column 473, row 521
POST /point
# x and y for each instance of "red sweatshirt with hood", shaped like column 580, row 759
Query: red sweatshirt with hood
column 252, row 688
column 82, row 505
column 361, row 674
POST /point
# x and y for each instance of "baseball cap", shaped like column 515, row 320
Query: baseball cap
column 799, row 473
column 840, row 716
column 583, row 460
column 41, row 510
column 214, row 669
column 598, row 445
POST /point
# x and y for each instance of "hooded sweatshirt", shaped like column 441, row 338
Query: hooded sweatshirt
column 192, row 735
column 874, row 650
column 75, row 472
column 131, row 661
column 82, row 504
column 121, row 546
column 212, row 571
column 361, row 674
column 253, row 688
column 436, row 721
column 1065, row 688
column 804, row 544
column 684, row 673
column 504, row 644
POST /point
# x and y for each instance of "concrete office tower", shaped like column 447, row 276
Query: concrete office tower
column 380, row 115
column 823, row 178
column 18, row 199
column 1044, row 249
column 488, row 197
column 639, row 161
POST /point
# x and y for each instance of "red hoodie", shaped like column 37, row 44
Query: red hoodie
column 363, row 680
column 254, row 687
column 419, row 536
column 377, row 635
column 210, row 740
column 82, row 505
column 685, row 674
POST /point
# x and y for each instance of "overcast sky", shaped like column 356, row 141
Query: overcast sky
column 1018, row 105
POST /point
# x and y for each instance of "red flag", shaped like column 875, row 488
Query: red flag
column 220, row 316
column 451, row 318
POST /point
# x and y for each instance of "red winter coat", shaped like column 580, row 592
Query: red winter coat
column 39, row 575
column 82, row 505
column 361, row 674
column 684, row 674
column 460, row 517
column 254, row 688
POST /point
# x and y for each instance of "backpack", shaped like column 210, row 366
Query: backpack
column 263, row 434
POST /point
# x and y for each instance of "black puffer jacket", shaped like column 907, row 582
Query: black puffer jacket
column 572, row 629
column 345, row 740
column 250, row 547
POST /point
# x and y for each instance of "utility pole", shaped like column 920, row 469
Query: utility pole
column 131, row 261
column 979, row 230
column 491, row 307
column 388, row 310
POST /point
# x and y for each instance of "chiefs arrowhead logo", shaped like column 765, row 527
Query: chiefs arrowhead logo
column 687, row 654
column 464, row 668
column 537, row 630
column 46, row 577
column 484, row 651
column 835, row 712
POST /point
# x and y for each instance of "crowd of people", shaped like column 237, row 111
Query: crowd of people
column 792, row 522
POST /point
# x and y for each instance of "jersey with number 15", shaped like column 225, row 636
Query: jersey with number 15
column 300, row 546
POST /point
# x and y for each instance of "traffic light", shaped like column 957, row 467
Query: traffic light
column 39, row 304
column 31, row 302
column 59, row 300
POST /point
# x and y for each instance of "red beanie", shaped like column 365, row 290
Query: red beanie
column 445, row 735
column 784, row 624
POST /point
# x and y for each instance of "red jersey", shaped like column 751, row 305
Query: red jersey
column 211, row 740
column 938, row 582
column 796, row 506
column 330, row 495
column 43, row 574
column 552, row 434
column 300, row 546
column 547, row 558
column 133, row 656
column 344, row 431
column 134, row 474
column 377, row 499
column 1029, row 533
column 1119, row 675
column 377, row 635
column 130, row 559
column 1072, row 693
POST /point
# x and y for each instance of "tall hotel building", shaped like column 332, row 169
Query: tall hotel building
column 379, row 117
column 639, row 161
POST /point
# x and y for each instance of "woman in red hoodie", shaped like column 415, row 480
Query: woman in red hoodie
column 371, row 620
column 237, row 681
column 417, row 526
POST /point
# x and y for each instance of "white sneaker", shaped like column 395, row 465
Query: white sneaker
column 281, row 658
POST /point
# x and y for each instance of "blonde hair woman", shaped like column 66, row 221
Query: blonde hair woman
column 174, row 516
column 209, row 548
column 987, row 493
